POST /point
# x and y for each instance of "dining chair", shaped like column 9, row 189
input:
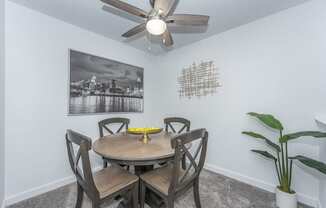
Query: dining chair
column 171, row 126
column 105, row 184
column 105, row 124
column 171, row 181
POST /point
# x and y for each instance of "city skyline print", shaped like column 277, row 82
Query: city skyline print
column 99, row 85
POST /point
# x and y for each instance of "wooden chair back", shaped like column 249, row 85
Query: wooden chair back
column 79, row 161
column 196, row 159
column 104, row 125
column 169, row 124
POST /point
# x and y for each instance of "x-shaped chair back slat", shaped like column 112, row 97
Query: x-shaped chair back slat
column 84, row 174
column 193, row 165
column 169, row 124
column 104, row 125
column 182, row 178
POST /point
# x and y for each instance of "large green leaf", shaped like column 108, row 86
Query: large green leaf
column 265, row 154
column 259, row 136
column 297, row 135
column 268, row 120
column 311, row 163
column 272, row 144
column 253, row 134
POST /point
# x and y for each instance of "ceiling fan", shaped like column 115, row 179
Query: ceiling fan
column 156, row 20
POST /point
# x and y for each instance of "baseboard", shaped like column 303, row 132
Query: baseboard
column 308, row 200
column 40, row 190
column 260, row 184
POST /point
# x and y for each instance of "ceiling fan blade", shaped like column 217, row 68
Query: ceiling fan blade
column 167, row 38
column 138, row 29
column 165, row 6
column 188, row 19
column 126, row 7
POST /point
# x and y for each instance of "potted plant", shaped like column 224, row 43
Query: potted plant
column 285, row 196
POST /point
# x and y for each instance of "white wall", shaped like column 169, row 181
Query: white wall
column 275, row 65
column 322, row 194
column 2, row 124
column 322, row 187
column 322, row 190
column 36, row 95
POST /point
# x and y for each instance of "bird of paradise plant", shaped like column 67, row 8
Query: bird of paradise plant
column 283, row 162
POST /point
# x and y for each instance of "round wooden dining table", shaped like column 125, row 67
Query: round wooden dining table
column 128, row 149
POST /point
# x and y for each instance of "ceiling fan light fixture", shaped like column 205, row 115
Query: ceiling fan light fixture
column 156, row 26
column 156, row 20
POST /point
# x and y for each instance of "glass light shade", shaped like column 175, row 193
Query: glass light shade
column 156, row 26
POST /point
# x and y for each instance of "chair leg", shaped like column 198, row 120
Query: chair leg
column 184, row 163
column 135, row 196
column 142, row 194
column 170, row 203
column 80, row 196
column 196, row 193
column 105, row 163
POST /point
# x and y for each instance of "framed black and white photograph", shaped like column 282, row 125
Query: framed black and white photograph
column 100, row 85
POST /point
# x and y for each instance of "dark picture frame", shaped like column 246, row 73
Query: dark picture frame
column 100, row 85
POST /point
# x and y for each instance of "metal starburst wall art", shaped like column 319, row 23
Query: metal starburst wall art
column 198, row 80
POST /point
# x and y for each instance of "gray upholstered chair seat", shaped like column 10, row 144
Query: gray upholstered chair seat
column 160, row 178
column 112, row 179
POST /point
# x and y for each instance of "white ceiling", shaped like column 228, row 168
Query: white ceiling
column 224, row 15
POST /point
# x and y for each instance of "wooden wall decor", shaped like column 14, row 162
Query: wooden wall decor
column 198, row 80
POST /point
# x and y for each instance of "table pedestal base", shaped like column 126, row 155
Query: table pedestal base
column 152, row 199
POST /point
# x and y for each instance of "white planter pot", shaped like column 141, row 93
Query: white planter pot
column 286, row 200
